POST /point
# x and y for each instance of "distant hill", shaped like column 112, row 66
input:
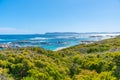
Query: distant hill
column 59, row 33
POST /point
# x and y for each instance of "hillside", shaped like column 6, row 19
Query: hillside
column 96, row 61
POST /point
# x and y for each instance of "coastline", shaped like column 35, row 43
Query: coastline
column 53, row 43
column 60, row 48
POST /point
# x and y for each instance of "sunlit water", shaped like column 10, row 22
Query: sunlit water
column 53, row 41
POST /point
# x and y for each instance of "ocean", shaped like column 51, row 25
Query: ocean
column 53, row 41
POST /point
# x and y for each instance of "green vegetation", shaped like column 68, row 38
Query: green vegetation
column 96, row 61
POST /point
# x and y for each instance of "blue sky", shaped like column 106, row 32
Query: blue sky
column 40, row 16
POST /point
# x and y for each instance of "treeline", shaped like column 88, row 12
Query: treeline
column 97, row 61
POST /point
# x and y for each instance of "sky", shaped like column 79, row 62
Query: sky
column 41, row 16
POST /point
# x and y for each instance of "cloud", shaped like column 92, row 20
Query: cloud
column 8, row 30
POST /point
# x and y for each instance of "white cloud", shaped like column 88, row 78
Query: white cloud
column 8, row 30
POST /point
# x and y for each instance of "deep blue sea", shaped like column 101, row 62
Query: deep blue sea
column 53, row 41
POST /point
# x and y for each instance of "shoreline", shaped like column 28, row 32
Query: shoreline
column 17, row 44
column 60, row 48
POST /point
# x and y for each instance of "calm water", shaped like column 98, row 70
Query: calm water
column 52, row 41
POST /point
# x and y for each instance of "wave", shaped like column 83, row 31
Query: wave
column 2, row 40
column 59, row 48
column 38, row 38
column 106, row 35
column 8, row 39
column 65, row 37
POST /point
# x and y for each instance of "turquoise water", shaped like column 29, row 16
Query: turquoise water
column 53, row 41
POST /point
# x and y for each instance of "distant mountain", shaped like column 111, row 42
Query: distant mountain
column 69, row 33
column 58, row 33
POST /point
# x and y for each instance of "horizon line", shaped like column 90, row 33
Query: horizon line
column 52, row 32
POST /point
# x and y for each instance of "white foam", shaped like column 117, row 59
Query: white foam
column 65, row 37
column 38, row 38
column 59, row 48
column 106, row 34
